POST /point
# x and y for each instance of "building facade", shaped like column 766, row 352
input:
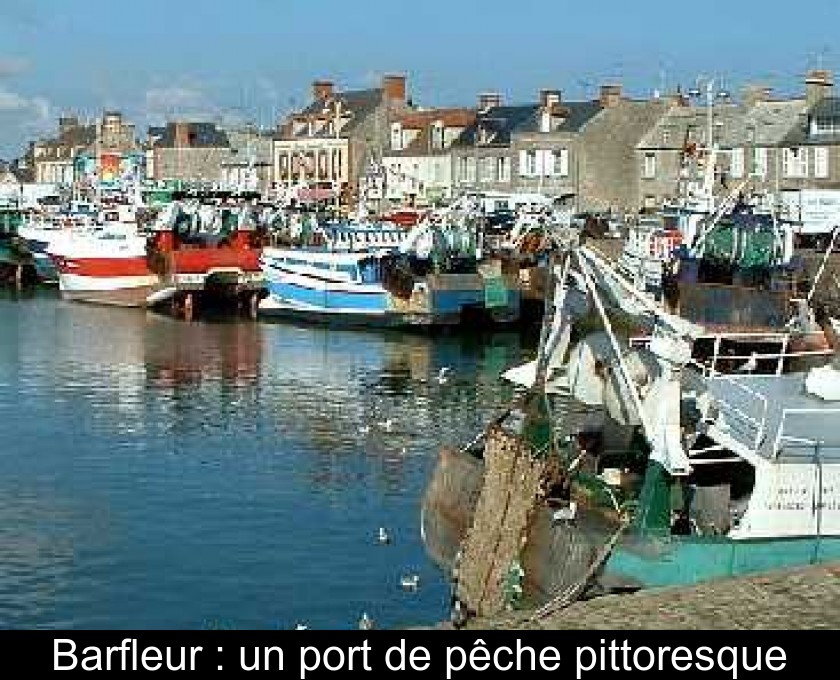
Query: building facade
column 325, row 150
column 190, row 152
column 53, row 160
column 418, row 164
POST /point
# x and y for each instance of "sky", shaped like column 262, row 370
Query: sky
column 255, row 59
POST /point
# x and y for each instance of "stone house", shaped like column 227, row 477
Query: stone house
column 325, row 151
column 418, row 166
column 249, row 165
column 583, row 151
column 765, row 145
column 810, row 153
column 190, row 151
column 53, row 160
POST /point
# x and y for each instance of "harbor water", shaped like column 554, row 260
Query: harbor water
column 162, row 474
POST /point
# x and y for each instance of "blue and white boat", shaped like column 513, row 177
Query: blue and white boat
column 364, row 278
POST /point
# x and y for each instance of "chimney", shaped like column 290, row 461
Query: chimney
column 394, row 88
column 610, row 95
column 757, row 93
column 549, row 97
column 322, row 90
column 489, row 100
column 818, row 86
column 182, row 134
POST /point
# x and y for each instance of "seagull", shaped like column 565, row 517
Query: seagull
column 749, row 365
column 442, row 378
column 383, row 536
column 364, row 429
column 301, row 626
column 365, row 622
column 387, row 425
column 410, row 582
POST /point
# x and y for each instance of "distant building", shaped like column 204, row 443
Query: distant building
column 189, row 151
column 418, row 161
column 250, row 161
column 583, row 151
column 811, row 149
column 330, row 145
column 53, row 160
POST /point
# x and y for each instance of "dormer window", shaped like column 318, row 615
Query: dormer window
column 485, row 135
column 396, row 137
column 824, row 126
column 437, row 135
column 545, row 121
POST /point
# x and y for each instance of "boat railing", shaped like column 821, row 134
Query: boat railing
column 811, row 447
column 751, row 426
column 710, row 367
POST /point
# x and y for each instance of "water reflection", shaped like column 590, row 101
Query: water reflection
column 177, row 473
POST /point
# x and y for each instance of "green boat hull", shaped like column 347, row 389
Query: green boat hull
column 653, row 562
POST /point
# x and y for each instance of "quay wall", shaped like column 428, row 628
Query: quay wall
column 805, row 598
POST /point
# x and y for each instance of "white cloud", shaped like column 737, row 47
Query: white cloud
column 11, row 66
column 22, row 118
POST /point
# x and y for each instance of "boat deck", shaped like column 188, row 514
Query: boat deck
column 767, row 414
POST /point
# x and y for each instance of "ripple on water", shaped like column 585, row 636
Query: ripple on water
column 157, row 474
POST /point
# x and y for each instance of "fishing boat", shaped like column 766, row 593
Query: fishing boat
column 372, row 276
column 192, row 250
column 16, row 262
column 623, row 467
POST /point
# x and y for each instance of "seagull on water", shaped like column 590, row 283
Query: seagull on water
column 442, row 378
column 410, row 582
column 384, row 537
column 365, row 622
column 301, row 626
column 387, row 425
column 364, row 429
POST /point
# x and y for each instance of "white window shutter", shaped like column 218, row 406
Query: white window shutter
column 538, row 155
column 564, row 163
column 523, row 163
column 548, row 163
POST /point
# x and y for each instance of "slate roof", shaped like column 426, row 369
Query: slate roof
column 825, row 109
column 202, row 135
column 506, row 121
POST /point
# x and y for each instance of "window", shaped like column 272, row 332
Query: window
column 437, row 135
column 469, row 175
column 760, row 162
column 736, row 163
column 488, row 169
column 666, row 137
column 795, row 162
column 528, row 163
column 396, row 137
column 561, row 163
column 649, row 169
column 821, row 162
column 824, row 126
column 545, row 121
column 503, row 169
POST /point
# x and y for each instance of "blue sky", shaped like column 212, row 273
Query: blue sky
column 255, row 59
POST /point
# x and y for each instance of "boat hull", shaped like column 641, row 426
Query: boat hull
column 679, row 561
column 122, row 291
